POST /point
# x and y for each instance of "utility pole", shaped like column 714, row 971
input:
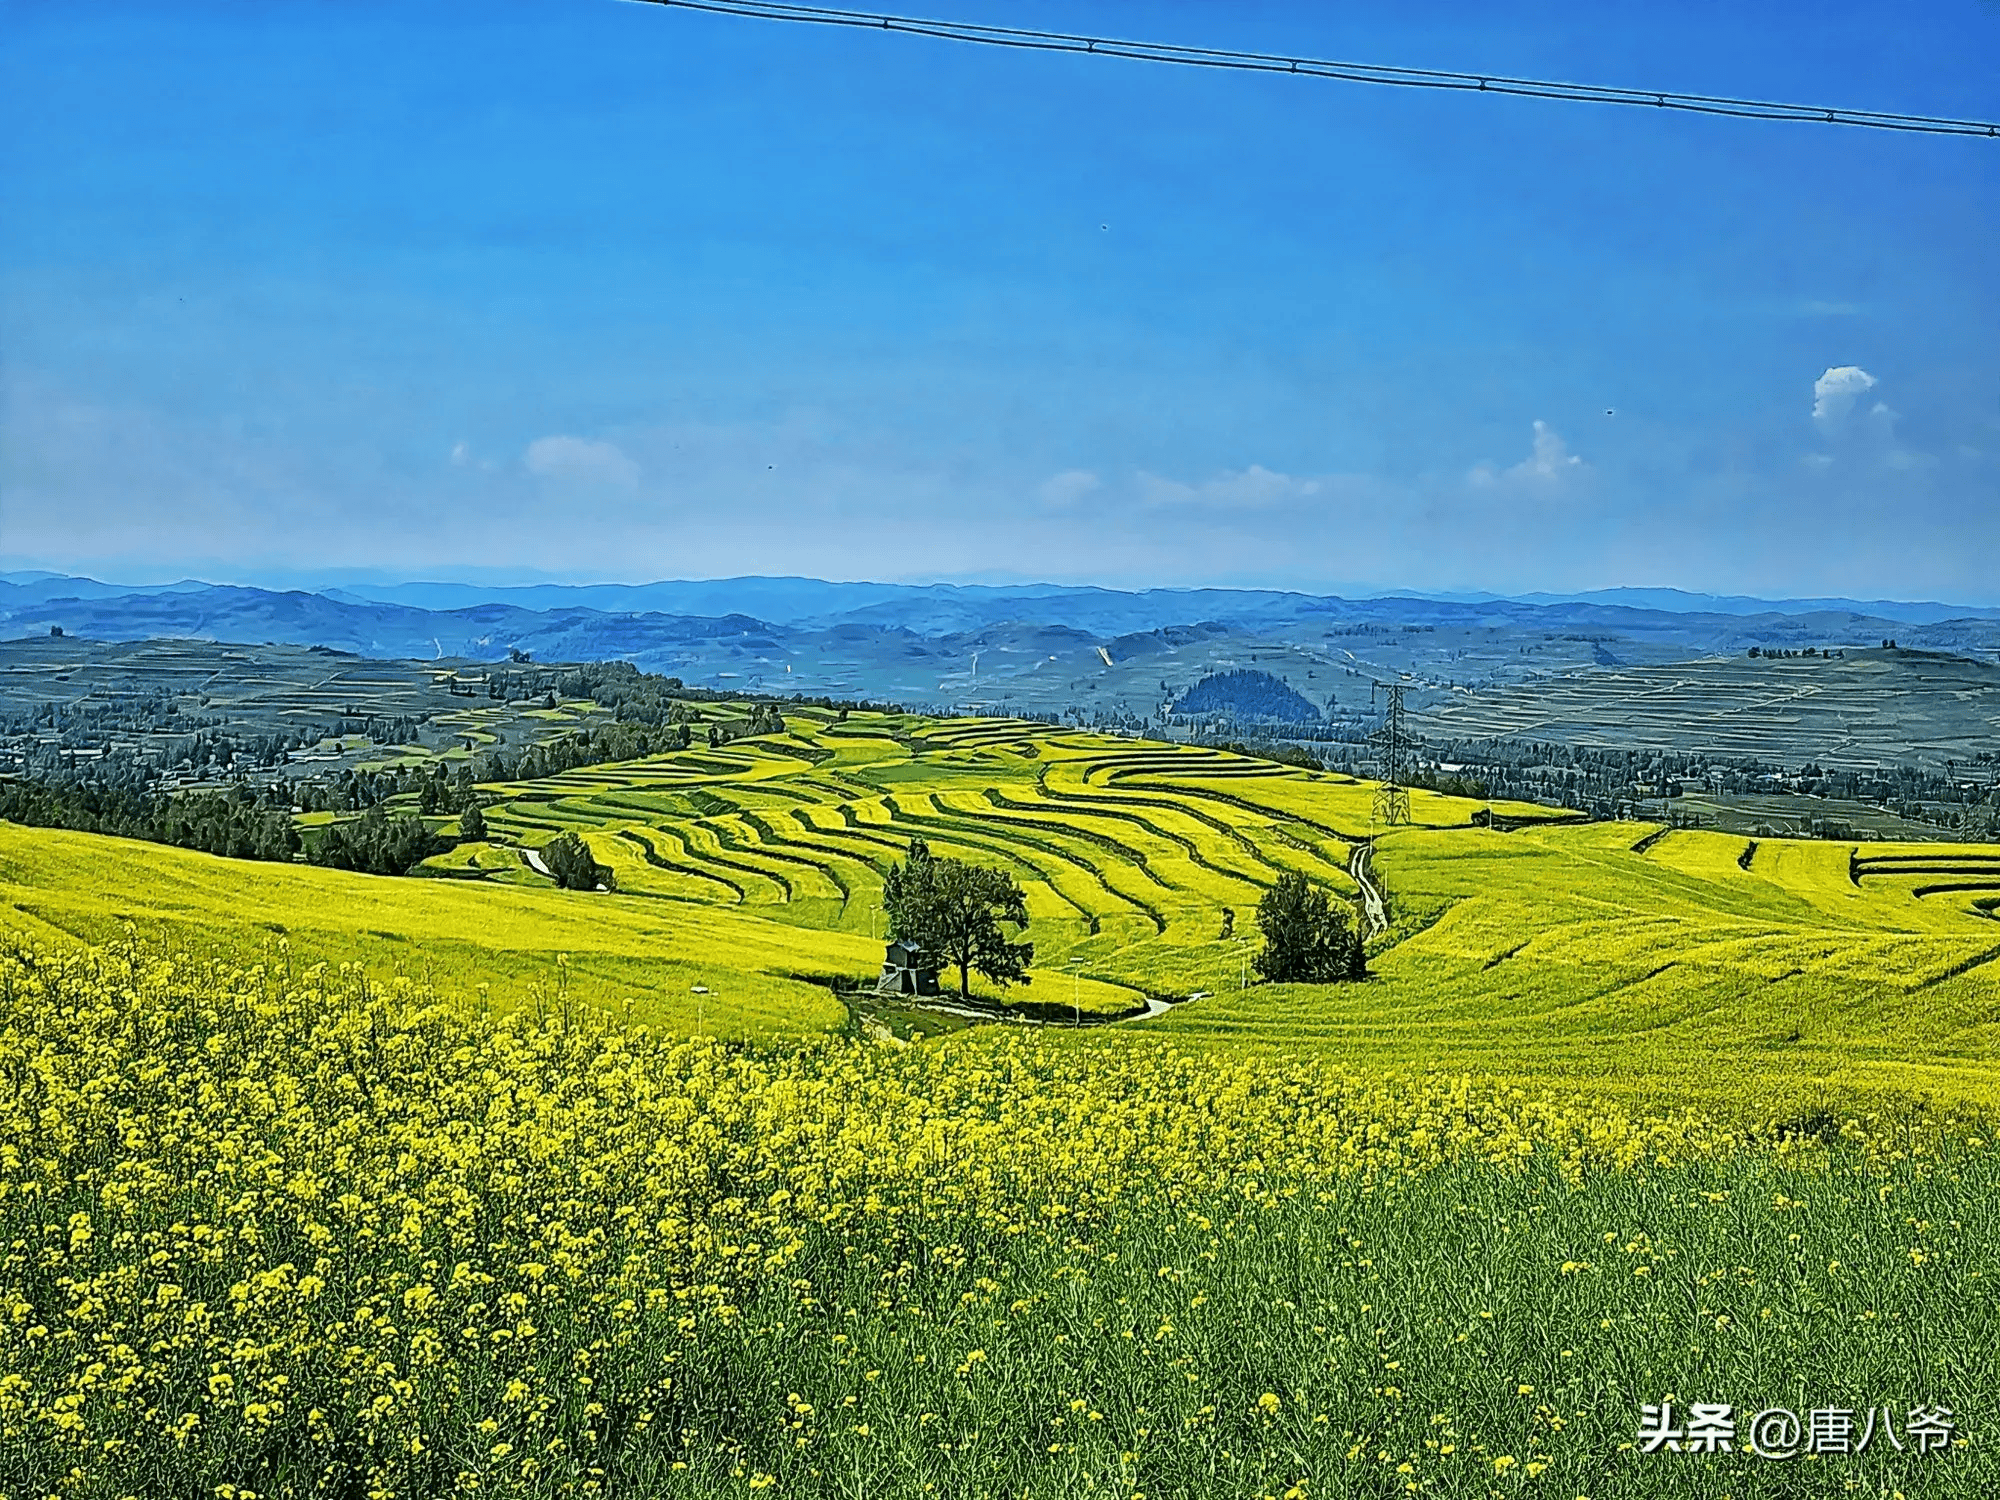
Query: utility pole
column 1392, row 798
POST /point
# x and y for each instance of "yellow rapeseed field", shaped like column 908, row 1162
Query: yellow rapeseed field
column 286, row 1231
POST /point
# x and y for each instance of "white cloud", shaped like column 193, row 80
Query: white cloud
column 1059, row 491
column 1835, row 393
column 1858, row 436
column 461, row 455
column 573, row 458
column 1548, row 463
column 1245, row 489
column 1551, row 458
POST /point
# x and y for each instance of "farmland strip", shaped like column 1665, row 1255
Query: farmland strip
column 1207, row 820
column 727, row 840
column 769, row 836
column 860, row 833
column 1187, row 845
column 811, row 754
column 653, row 857
column 679, row 834
column 1978, row 960
column 1276, row 815
column 956, row 828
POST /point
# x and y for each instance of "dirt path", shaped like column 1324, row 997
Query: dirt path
column 1374, row 910
column 950, row 1005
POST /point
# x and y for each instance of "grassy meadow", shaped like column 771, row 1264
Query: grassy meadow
column 324, row 1184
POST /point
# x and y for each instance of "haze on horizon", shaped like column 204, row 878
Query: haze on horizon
column 573, row 289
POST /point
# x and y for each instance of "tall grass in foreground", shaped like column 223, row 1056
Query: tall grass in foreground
column 1471, row 1331
column 276, row 1232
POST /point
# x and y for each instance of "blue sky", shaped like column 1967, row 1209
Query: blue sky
column 594, row 290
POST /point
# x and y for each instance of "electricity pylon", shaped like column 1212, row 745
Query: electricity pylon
column 1392, row 797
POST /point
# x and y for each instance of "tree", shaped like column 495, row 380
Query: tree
column 431, row 793
column 1307, row 938
column 909, row 896
column 954, row 912
column 569, row 862
column 472, row 824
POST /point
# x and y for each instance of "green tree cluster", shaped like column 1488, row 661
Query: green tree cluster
column 1245, row 693
column 236, row 823
column 637, row 697
column 590, row 747
column 1307, row 936
column 764, row 719
column 570, row 864
column 956, row 913
column 377, row 844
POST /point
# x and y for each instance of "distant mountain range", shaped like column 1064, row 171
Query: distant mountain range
column 803, row 601
column 942, row 643
column 1678, row 600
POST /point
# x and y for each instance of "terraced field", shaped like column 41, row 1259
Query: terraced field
column 1865, row 708
column 685, row 969
column 1129, row 853
column 1612, row 1097
column 1664, row 964
column 1638, row 962
column 1952, row 871
column 280, row 690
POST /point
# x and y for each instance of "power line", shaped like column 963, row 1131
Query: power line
column 1350, row 72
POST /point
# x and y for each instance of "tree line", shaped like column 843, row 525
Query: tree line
column 1600, row 781
column 637, row 697
column 377, row 844
column 235, row 822
column 584, row 747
